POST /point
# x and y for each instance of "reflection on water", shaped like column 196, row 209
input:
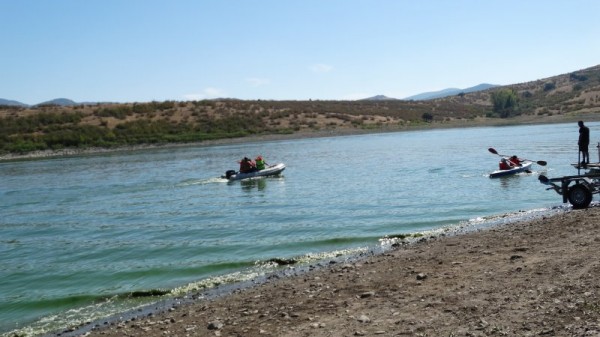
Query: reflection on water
column 508, row 182
column 250, row 184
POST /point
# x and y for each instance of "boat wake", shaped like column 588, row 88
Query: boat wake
column 193, row 182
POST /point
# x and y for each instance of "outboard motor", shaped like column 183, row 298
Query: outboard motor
column 229, row 173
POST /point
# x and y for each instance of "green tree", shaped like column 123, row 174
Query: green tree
column 549, row 86
column 427, row 117
column 505, row 102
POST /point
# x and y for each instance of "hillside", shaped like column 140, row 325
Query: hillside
column 25, row 129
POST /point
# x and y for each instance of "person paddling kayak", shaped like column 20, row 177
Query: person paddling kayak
column 505, row 164
column 515, row 161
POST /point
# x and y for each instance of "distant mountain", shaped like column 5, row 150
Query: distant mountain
column 60, row 102
column 378, row 98
column 57, row 101
column 12, row 103
column 450, row 92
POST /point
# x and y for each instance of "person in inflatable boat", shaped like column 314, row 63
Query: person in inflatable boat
column 260, row 163
column 247, row 165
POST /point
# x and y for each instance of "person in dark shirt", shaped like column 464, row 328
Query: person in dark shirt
column 247, row 165
column 584, row 142
column 515, row 161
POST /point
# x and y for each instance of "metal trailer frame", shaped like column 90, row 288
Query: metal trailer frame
column 577, row 189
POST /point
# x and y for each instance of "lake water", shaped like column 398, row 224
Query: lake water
column 78, row 235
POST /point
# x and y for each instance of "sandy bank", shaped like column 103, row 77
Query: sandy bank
column 531, row 278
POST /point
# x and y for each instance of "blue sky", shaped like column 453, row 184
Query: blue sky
column 144, row 50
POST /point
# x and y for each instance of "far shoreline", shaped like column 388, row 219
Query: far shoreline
column 337, row 132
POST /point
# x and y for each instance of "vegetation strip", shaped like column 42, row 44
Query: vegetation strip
column 108, row 125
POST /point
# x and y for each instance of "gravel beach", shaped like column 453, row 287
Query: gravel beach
column 532, row 278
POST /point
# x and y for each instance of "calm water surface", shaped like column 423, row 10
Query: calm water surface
column 79, row 235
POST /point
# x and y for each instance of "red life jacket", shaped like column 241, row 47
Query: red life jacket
column 504, row 165
column 246, row 166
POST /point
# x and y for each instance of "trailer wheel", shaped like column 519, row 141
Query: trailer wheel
column 580, row 196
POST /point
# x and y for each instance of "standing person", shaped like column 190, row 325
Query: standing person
column 584, row 141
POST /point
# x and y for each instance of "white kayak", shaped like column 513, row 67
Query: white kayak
column 271, row 170
column 525, row 165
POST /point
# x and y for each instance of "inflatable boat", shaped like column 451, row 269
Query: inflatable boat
column 271, row 170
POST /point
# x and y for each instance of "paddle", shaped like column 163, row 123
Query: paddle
column 539, row 162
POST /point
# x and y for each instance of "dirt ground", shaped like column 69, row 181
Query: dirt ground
column 533, row 278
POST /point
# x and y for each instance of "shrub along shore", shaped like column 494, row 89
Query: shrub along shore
column 332, row 132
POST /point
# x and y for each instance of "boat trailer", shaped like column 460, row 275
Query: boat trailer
column 577, row 189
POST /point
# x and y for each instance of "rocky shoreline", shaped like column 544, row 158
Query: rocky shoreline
column 528, row 278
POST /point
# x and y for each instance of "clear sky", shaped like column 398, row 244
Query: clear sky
column 144, row 50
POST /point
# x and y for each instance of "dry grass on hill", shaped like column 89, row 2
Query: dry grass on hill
column 563, row 97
